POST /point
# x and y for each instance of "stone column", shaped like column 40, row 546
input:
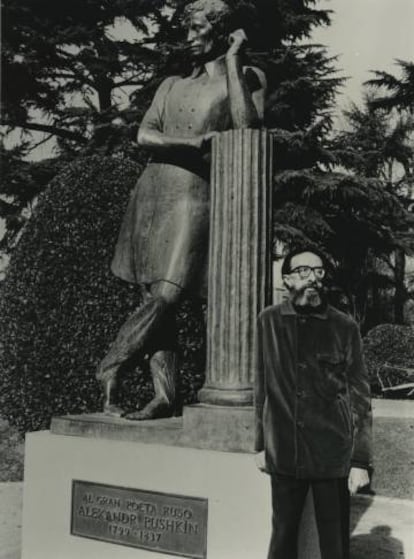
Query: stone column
column 239, row 281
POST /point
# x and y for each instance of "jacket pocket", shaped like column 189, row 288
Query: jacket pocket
column 330, row 379
column 346, row 415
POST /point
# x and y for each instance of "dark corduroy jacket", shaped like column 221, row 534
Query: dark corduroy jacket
column 313, row 409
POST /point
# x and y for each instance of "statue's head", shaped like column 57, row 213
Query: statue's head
column 208, row 23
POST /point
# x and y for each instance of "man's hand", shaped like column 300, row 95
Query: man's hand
column 261, row 461
column 358, row 478
column 237, row 40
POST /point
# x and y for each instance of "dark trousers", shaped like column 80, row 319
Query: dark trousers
column 332, row 510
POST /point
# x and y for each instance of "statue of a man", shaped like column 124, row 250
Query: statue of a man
column 163, row 240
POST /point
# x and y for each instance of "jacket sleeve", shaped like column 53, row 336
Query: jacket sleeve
column 360, row 402
column 154, row 117
column 259, row 391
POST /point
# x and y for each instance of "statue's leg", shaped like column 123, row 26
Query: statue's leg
column 164, row 369
column 163, row 363
column 131, row 338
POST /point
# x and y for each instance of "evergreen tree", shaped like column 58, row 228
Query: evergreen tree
column 64, row 67
column 400, row 91
column 378, row 147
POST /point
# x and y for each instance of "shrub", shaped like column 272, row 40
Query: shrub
column 61, row 306
column 388, row 344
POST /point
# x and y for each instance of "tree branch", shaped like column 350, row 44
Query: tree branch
column 72, row 76
column 53, row 130
column 129, row 82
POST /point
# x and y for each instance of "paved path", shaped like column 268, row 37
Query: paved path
column 382, row 527
column 11, row 498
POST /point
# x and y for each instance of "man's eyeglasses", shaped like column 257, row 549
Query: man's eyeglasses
column 304, row 271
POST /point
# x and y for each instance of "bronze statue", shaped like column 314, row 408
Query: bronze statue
column 163, row 240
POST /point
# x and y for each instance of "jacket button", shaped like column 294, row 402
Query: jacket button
column 302, row 366
column 300, row 424
column 300, row 393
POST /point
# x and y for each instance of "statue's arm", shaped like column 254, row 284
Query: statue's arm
column 151, row 132
column 159, row 142
column 246, row 86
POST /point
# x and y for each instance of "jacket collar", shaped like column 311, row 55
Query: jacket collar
column 212, row 68
column 287, row 309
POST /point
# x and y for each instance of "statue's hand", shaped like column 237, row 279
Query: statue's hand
column 237, row 40
column 207, row 138
column 203, row 142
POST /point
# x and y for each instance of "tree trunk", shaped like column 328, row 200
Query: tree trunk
column 104, row 95
column 400, row 291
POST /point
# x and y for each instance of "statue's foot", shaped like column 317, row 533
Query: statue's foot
column 156, row 409
column 113, row 411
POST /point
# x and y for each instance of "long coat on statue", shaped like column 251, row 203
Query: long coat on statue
column 164, row 234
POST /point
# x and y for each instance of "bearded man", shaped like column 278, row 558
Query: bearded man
column 163, row 240
column 313, row 412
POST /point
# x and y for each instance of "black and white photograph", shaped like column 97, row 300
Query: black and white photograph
column 207, row 279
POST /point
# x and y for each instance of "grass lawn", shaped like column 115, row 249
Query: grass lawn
column 11, row 453
column 394, row 457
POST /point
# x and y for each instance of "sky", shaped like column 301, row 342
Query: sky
column 365, row 34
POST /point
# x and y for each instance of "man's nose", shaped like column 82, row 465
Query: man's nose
column 312, row 278
column 190, row 35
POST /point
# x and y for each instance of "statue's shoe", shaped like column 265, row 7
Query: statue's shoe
column 156, row 409
column 112, row 410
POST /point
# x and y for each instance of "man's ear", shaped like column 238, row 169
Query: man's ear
column 287, row 281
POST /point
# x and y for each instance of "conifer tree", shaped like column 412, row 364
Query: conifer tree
column 377, row 146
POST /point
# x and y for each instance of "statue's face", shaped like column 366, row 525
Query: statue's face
column 200, row 37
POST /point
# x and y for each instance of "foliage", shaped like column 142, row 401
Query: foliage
column 54, row 52
column 377, row 145
column 388, row 344
column 11, row 453
column 22, row 181
column 67, row 66
column 61, row 306
column 375, row 142
column 400, row 90
column 68, row 73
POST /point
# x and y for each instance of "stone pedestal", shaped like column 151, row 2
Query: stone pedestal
column 237, row 495
column 239, row 262
column 220, row 428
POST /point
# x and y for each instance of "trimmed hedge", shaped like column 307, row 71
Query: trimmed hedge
column 390, row 344
column 61, row 306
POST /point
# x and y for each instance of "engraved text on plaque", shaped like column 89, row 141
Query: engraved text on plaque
column 161, row 522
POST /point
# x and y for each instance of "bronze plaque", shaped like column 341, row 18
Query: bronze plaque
column 160, row 522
